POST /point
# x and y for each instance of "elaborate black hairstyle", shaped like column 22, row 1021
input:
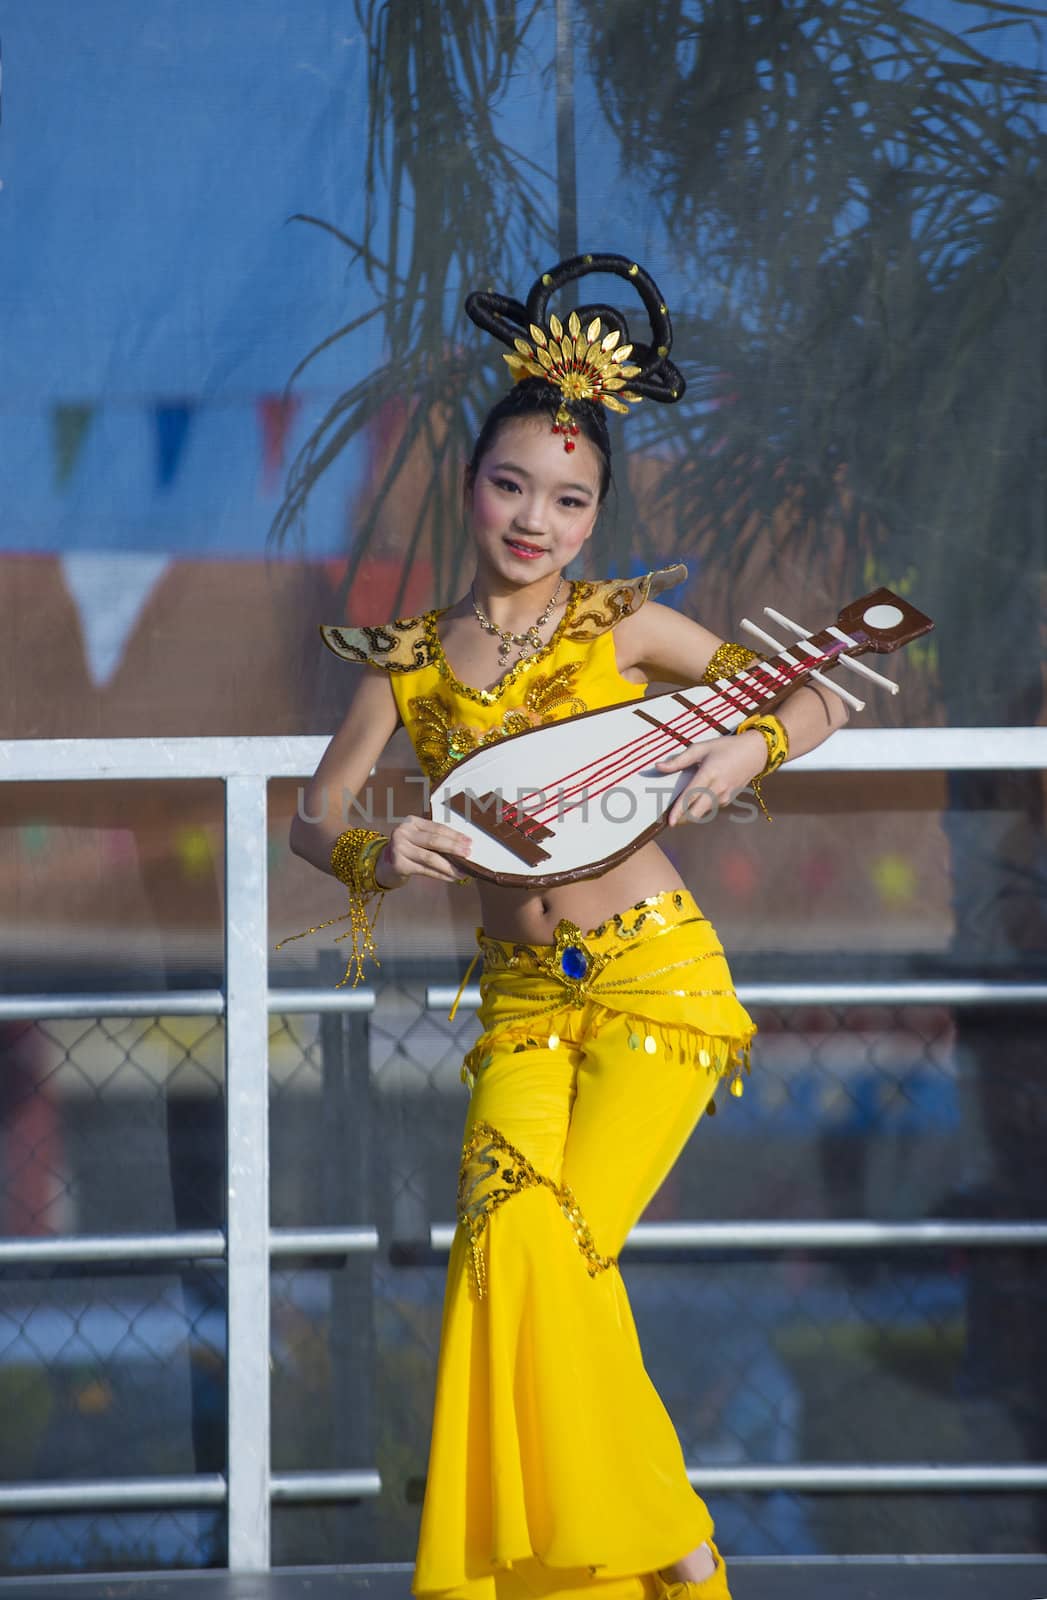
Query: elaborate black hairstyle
column 587, row 359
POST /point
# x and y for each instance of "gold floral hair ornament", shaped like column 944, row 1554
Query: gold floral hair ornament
column 584, row 366
column 589, row 360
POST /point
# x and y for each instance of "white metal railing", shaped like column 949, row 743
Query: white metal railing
column 245, row 765
column 440, row 996
column 814, row 1235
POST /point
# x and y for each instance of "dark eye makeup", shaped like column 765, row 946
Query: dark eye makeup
column 572, row 501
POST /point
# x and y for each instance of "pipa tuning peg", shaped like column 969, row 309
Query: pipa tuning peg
column 818, row 677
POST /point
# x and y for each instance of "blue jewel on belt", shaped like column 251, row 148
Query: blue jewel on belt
column 572, row 963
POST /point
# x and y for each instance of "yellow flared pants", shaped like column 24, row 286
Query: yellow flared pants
column 554, row 1466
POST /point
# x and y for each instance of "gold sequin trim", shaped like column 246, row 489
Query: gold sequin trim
column 440, row 741
column 608, row 600
column 618, row 918
column 679, row 994
column 617, row 921
column 727, row 659
column 487, row 697
column 492, row 1171
column 525, row 958
column 493, row 947
column 541, row 961
column 398, row 646
column 628, row 985
column 409, row 644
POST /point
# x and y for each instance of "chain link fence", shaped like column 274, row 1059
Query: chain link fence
column 764, row 1355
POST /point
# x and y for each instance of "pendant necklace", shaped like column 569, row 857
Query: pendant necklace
column 527, row 642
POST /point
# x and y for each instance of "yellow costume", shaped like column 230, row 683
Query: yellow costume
column 554, row 1466
column 576, row 671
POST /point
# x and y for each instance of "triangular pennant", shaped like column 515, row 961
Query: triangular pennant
column 69, row 425
column 172, row 420
column 276, row 413
column 110, row 589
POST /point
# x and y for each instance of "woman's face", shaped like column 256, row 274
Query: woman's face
column 532, row 506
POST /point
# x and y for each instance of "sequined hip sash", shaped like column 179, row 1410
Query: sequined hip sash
column 659, row 961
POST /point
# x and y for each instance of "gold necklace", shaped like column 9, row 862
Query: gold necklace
column 527, row 642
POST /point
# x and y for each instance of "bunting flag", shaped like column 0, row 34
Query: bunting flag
column 69, row 427
column 172, row 420
column 276, row 413
column 71, row 422
column 110, row 589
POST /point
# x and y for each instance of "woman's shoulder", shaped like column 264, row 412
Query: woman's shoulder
column 403, row 645
column 599, row 603
column 408, row 644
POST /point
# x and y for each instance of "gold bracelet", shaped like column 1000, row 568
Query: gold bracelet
column 777, row 740
column 727, row 659
column 367, row 866
column 353, row 857
column 352, row 861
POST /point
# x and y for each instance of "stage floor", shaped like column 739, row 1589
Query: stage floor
column 994, row 1578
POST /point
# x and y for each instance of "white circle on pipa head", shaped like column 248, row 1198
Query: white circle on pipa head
column 882, row 617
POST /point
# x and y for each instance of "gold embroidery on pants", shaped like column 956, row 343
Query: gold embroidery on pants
column 491, row 1171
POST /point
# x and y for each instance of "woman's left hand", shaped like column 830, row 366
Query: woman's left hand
column 722, row 768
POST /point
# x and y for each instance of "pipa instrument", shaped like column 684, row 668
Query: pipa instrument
column 570, row 799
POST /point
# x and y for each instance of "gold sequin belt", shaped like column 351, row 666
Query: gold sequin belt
column 659, row 960
column 575, row 959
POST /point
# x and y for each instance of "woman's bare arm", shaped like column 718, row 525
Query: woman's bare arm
column 344, row 769
column 672, row 648
column 417, row 846
column 664, row 644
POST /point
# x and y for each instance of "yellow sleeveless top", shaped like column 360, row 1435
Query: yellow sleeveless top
column 576, row 671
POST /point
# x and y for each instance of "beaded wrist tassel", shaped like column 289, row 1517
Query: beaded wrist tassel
column 354, row 855
column 777, row 741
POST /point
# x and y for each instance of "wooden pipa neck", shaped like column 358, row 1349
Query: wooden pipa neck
column 762, row 684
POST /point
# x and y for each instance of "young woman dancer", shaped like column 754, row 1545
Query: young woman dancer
column 608, row 1015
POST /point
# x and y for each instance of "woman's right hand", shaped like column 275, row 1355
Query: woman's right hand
column 420, row 847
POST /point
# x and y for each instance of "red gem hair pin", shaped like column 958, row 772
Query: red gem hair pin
column 593, row 358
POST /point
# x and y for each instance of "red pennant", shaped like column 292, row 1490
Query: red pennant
column 276, row 413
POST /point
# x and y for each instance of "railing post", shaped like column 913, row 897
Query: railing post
column 347, row 1151
column 247, row 1171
